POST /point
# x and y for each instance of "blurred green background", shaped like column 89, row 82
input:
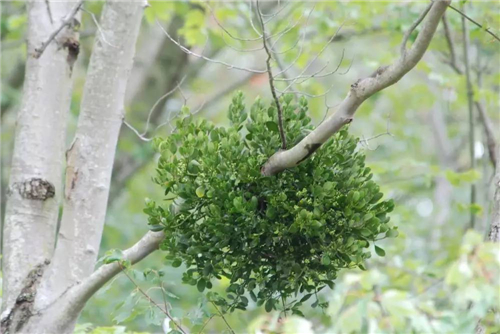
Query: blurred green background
column 437, row 276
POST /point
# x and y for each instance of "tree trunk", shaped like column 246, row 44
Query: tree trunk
column 43, row 296
column 91, row 155
column 35, row 180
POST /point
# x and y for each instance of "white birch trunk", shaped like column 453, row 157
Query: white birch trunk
column 35, row 181
column 90, row 157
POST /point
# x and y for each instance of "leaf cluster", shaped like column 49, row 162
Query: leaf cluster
column 273, row 237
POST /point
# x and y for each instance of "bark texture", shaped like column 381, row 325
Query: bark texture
column 34, row 189
column 494, row 234
column 359, row 92
column 90, row 157
column 60, row 317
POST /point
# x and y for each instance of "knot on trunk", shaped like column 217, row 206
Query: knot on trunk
column 34, row 188
column 22, row 310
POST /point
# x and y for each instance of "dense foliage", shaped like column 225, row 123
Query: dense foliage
column 273, row 237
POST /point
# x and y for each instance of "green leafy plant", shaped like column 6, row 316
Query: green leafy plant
column 273, row 237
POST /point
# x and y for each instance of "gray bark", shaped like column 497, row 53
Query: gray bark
column 90, row 157
column 35, row 181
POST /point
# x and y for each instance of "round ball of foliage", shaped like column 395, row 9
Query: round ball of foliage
column 273, row 237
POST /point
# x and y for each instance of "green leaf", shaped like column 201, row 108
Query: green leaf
column 325, row 260
column 306, row 297
column 272, row 126
column 201, row 285
column 269, row 305
column 200, row 191
column 366, row 232
column 156, row 228
column 379, row 251
column 392, row 233
column 176, row 263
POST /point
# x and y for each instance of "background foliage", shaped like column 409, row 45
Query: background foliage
column 437, row 276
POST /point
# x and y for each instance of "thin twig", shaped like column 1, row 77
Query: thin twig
column 470, row 104
column 271, row 80
column 228, row 32
column 299, row 53
column 315, row 58
column 151, row 299
column 490, row 133
column 483, row 116
column 318, row 73
column 163, row 294
column 189, row 52
column 451, row 46
column 96, row 22
column 413, row 27
column 223, row 318
column 206, row 323
column 386, row 133
column 65, row 22
column 164, row 96
column 49, row 12
column 475, row 22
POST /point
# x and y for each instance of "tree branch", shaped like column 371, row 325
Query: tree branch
column 470, row 105
column 475, row 22
column 413, row 27
column 67, row 21
column 451, row 46
column 271, row 79
column 483, row 115
column 359, row 92
column 57, row 316
column 494, row 234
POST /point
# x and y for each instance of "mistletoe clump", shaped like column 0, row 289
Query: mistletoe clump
column 272, row 237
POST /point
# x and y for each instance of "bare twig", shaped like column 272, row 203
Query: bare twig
column 412, row 28
column 299, row 53
column 163, row 97
column 483, row 116
column 229, row 33
column 451, row 46
column 365, row 141
column 271, row 80
column 98, row 26
column 151, row 300
column 314, row 58
column 470, row 104
column 206, row 323
column 67, row 21
column 489, row 132
column 189, row 52
column 49, row 12
column 475, row 22
column 223, row 318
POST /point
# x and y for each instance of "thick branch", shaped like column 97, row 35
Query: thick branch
column 66, row 22
column 57, row 317
column 359, row 92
